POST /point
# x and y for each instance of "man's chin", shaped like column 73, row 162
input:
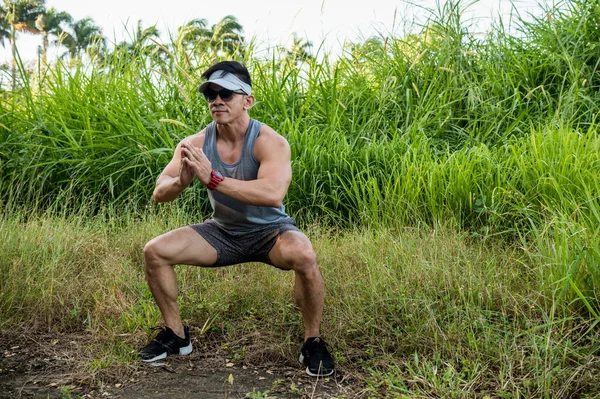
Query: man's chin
column 220, row 116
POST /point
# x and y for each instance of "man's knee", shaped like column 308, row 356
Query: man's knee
column 152, row 251
column 307, row 256
column 305, row 261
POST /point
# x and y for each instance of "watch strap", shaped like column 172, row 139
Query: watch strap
column 215, row 179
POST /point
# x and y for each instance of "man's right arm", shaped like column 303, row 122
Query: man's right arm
column 175, row 178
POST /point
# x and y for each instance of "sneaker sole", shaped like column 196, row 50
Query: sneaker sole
column 318, row 375
column 301, row 360
column 186, row 350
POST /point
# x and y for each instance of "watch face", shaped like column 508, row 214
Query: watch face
column 218, row 174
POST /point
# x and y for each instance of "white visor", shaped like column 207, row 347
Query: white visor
column 227, row 81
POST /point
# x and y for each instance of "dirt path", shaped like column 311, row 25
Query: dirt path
column 46, row 367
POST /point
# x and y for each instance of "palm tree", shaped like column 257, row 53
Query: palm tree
column 20, row 16
column 223, row 38
column 4, row 26
column 300, row 50
column 226, row 36
column 85, row 38
column 51, row 22
column 4, row 36
column 140, row 40
column 143, row 42
column 191, row 34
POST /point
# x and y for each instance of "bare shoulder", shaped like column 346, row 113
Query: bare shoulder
column 196, row 139
column 270, row 142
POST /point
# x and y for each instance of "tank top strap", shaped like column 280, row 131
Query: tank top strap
column 210, row 138
column 251, row 136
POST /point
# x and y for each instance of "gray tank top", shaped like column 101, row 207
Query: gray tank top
column 228, row 212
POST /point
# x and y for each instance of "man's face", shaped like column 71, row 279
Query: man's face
column 226, row 106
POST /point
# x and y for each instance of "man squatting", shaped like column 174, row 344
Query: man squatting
column 246, row 168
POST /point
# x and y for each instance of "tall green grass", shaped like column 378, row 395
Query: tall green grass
column 110, row 127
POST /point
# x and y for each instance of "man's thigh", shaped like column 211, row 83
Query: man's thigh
column 183, row 246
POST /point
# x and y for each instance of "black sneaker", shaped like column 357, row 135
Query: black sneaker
column 315, row 356
column 166, row 343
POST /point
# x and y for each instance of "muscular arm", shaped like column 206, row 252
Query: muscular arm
column 274, row 174
column 176, row 176
column 272, row 151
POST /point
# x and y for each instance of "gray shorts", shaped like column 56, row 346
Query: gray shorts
column 234, row 247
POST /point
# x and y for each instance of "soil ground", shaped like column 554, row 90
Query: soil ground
column 38, row 366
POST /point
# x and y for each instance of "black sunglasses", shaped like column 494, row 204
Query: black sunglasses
column 224, row 94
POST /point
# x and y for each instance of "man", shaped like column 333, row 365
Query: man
column 246, row 168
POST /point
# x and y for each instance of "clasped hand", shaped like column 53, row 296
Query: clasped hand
column 194, row 163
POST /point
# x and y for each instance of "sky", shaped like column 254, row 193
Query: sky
column 325, row 23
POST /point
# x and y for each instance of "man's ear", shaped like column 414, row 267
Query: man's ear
column 249, row 102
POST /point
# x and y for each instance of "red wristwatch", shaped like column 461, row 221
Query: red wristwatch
column 216, row 177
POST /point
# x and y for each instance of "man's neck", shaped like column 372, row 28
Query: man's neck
column 234, row 131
